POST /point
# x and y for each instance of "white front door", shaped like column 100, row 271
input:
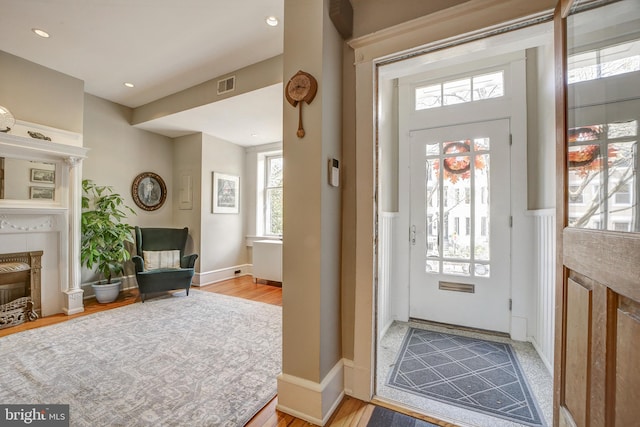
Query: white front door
column 460, row 225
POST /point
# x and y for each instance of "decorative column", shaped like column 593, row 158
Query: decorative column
column 73, row 300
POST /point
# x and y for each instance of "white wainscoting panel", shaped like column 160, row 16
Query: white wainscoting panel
column 385, row 276
column 545, row 271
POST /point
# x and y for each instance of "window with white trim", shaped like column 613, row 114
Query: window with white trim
column 273, row 192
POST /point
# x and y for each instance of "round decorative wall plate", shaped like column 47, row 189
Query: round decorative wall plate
column 149, row 191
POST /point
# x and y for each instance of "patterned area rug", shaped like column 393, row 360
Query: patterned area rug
column 198, row 360
column 476, row 374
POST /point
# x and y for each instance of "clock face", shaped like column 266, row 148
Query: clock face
column 298, row 87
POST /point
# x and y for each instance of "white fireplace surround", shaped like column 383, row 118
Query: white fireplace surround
column 52, row 225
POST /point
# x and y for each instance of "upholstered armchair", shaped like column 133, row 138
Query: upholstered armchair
column 161, row 264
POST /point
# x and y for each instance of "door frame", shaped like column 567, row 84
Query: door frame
column 514, row 108
column 480, row 18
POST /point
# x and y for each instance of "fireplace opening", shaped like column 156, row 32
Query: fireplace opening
column 19, row 287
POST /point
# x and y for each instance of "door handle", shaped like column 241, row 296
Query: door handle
column 412, row 235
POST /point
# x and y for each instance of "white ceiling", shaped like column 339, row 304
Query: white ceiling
column 162, row 46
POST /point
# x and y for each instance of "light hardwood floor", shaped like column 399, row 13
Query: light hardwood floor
column 351, row 412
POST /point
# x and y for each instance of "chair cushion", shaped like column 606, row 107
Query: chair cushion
column 154, row 260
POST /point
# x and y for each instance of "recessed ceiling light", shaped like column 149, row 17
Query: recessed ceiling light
column 41, row 33
column 127, row 84
column 271, row 21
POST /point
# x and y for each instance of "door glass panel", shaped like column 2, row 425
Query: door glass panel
column 602, row 176
column 603, row 45
column 433, row 210
column 457, row 207
column 482, row 207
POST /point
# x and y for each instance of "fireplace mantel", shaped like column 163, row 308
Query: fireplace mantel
column 23, row 223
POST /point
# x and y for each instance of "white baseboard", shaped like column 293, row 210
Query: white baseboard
column 348, row 376
column 209, row 277
column 385, row 328
column 311, row 401
column 518, row 328
column 547, row 363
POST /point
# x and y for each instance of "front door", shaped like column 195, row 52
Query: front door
column 596, row 375
column 460, row 225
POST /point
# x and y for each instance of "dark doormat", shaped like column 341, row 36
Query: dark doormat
column 383, row 417
column 480, row 375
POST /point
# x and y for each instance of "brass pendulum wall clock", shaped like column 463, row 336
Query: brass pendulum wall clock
column 302, row 87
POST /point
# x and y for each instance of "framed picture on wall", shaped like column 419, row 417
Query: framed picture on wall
column 149, row 191
column 41, row 193
column 43, row 175
column 226, row 193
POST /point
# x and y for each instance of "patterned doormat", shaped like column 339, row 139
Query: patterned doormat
column 383, row 417
column 483, row 376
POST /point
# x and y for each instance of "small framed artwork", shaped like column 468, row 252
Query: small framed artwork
column 41, row 193
column 44, row 176
column 149, row 191
column 226, row 193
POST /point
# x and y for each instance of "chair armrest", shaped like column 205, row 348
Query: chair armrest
column 138, row 262
column 188, row 261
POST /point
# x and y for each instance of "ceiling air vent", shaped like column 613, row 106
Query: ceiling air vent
column 226, row 85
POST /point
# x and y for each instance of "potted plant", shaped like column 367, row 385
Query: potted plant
column 104, row 237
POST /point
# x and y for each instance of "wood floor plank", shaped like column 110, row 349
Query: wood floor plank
column 365, row 416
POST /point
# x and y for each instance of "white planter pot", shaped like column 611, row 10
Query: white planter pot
column 107, row 292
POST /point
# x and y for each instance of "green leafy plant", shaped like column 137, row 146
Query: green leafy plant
column 104, row 234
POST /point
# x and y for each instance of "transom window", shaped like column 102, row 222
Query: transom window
column 467, row 89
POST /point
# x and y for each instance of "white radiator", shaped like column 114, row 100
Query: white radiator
column 385, row 260
column 267, row 260
column 545, row 272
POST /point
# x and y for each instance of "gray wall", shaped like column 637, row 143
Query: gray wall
column 222, row 235
column 37, row 94
column 119, row 152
